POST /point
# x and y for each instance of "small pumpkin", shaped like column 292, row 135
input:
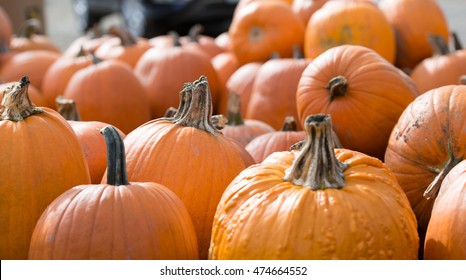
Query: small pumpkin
column 41, row 159
column 316, row 203
column 115, row 220
column 32, row 37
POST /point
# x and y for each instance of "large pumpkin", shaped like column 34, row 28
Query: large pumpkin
column 40, row 159
column 445, row 236
column 426, row 143
column 262, row 28
column 189, row 156
column 317, row 203
column 355, row 22
column 413, row 21
column 116, row 220
column 362, row 91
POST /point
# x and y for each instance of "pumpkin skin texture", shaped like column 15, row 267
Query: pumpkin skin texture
column 258, row 30
column 109, row 92
column 349, row 22
column 362, row 215
column 189, row 156
column 374, row 94
column 118, row 220
column 41, row 159
column 413, row 21
column 445, row 238
column 427, row 142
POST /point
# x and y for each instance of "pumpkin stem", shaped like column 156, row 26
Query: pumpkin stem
column 438, row 44
column 316, row 166
column 462, row 80
column 175, row 38
column 116, row 162
column 234, row 110
column 432, row 190
column 297, row 53
column 67, row 108
column 127, row 39
column 289, row 124
column 170, row 113
column 337, row 86
column 199, row 113
column 194, row 32
column 219, row 121
column 185, row 100
column 456, row 42
column 30, row 27
column 16, row 103
column 3, row 46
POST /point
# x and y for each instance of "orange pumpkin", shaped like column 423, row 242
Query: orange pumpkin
column 225, row 64
column 426, row 143
column 189, row 156
column 316, row 203
column 364, row 94
column 31, row 37
column 413, row 21
column 242, row 81
column 89, row 137
column 306, row 8
column 109, row 92
column 43, row 160
column 262, row 28
column 202, row 42
column 444, row 68
column 116, row 220
column 338, row 23
column 445, row 238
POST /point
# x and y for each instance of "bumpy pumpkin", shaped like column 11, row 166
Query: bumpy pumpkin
column 189, row 156
column 413, row 21
column 338, row 23
column 426, row 143
column 362, row 91
column 262, row 28
column 40, row 159
column 445, row 238
column 316, row 203
column 116, row 220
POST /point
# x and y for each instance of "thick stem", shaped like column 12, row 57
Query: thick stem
column 337, row 86
column 438, row 44
column 185, row 100
column 16, row 103
column 127, row 39
column 199, row 113
column 289, row 124
column 316, row 166
column 432, row 190
column 116, row 162
column 234, row 110
column 67, row 108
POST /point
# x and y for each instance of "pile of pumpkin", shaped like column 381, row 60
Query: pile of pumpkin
column 310, row 130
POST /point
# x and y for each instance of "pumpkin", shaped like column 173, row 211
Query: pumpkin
column 162, row 70
column 41, row 159
column 444, row 68
column 445, row 238
column 242, row 130
column 109, row 92
column 242, row 81
column 202, row 42
column 258, row 30
column 32, row 63
column 115, row 220
column 426, row 143
column 31, row 37
column 263, row 145
column 304, row 9
column 89, row 42
column 6, row 29
column 89, row 137
column 189, row 156
column 364, row 94
column 339, row 23
column 59, row 73
column 315, row 203
column 225, row 64
column 123, row 47
column 413, row 21
column 273, row 95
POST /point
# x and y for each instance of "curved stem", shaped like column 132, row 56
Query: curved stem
column 199, row 113
column 67, row 108
column 185, row 100
column 194, row 32
column 234, row 110
column 289, row 124
column 16, row 103
column 127, row 39
column 337, row 86
column 438, row 44
column 433, row 189
column 316, row 166
column 116, row 162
